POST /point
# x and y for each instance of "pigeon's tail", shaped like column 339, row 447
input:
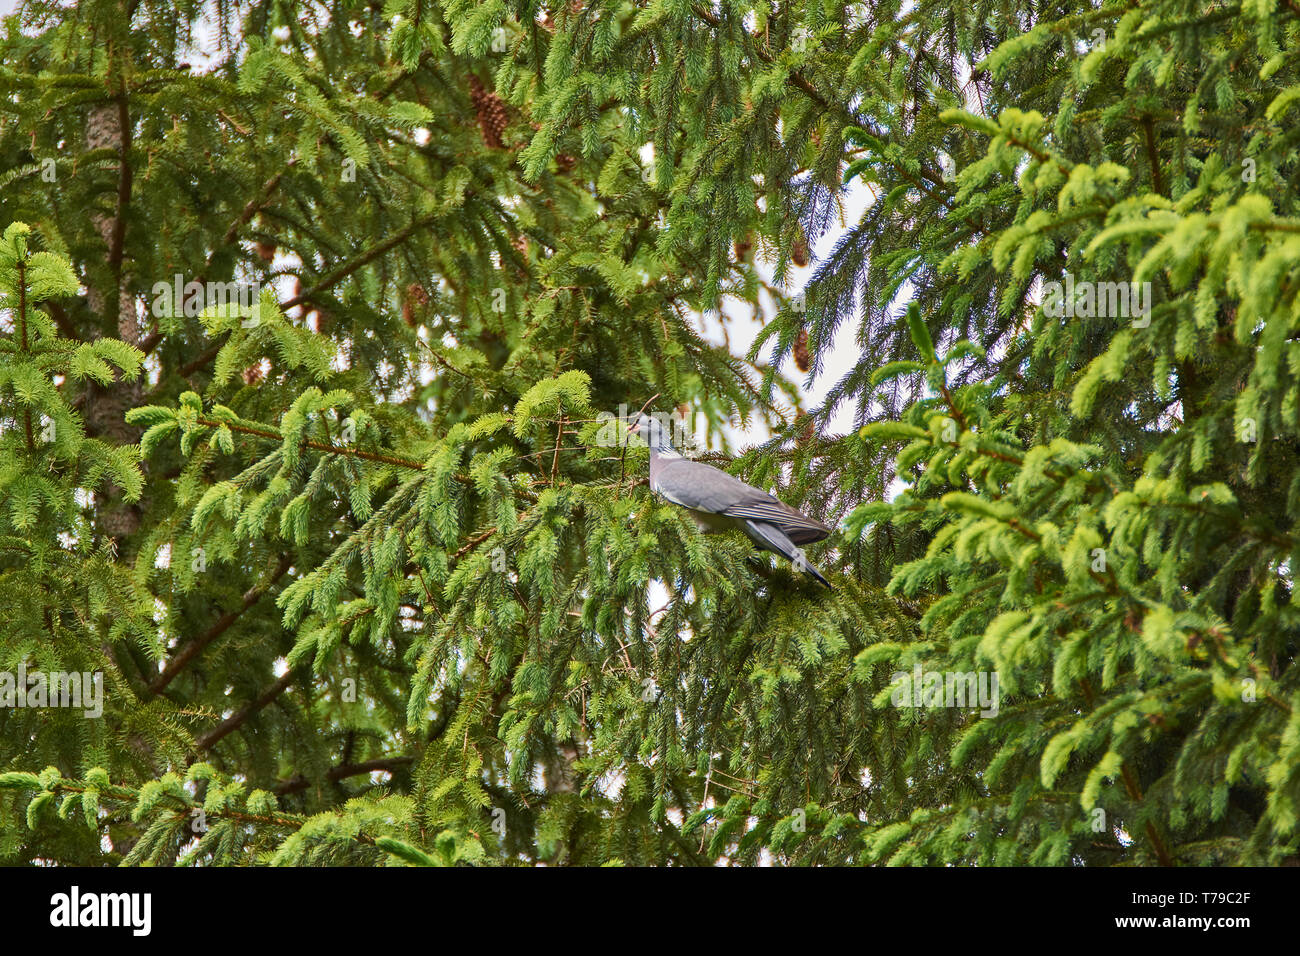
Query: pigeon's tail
column 818, row 575
column 771, row 538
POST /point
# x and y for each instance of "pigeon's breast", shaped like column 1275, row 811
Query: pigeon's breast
column 709, row 523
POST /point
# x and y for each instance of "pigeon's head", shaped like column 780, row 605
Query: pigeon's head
column 654, row 432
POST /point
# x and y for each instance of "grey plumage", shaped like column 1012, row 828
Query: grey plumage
column 718, row 501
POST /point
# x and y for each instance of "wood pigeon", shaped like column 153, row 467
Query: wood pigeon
column 720, row 502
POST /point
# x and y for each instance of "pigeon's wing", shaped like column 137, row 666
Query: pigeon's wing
column 702, row 487
column 796, row 525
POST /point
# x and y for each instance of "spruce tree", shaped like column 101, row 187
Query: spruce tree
column 372, row 572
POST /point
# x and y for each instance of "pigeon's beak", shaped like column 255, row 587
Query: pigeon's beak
column 633, row 428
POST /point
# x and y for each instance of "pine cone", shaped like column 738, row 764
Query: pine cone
column 740, row 249
column 799, row 251
column 565, row 162
column 491, row 112
column 415, row 296
column 520, row 244
column 801, row 350
column 254, row 374
column 266, row 250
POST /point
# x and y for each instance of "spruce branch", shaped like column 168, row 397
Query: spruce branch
column 214, row 736
column 331, row 279
column 187, row 654
column 299, row 783
column 325, row 446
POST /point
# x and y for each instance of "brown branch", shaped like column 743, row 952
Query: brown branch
column 442, row 361
column 206, row 356
column 298, row 783
column 559, row 437
column 347, row 450
column 327, row 447
column 342, row 272
column 186, row 654
column 237, row 720
column 254, row 206
column 118, row 244
column 1153, row 156
column 469, row 546
column 1153, row 835
column 1134, row 791
column 129, row 796
column 403, row 75
column 60, row 319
